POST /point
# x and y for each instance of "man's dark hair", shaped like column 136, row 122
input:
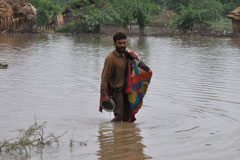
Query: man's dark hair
column 119, row 36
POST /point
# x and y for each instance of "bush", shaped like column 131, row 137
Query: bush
column 46, row 12
column 73, row 27
column 197, row 12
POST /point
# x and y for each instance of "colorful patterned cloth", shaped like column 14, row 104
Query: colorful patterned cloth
column 139, row 77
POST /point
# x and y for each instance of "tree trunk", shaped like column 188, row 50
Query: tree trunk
column 141, row 30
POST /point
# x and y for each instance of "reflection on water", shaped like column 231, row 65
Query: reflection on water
column 121, row 141
column 18, row 41
column 235, row 42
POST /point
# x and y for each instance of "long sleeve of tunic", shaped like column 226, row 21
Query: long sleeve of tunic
column 114, row 72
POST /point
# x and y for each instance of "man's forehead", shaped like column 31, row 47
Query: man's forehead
column 121, row 40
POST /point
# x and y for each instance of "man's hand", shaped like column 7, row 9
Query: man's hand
column 106, row 99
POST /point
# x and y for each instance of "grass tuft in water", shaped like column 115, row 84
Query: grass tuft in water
column 72, row 141
column 32, row 137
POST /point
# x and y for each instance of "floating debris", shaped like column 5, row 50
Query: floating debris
column 3, row 65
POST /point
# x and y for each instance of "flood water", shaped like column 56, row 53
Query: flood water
column 191, row 110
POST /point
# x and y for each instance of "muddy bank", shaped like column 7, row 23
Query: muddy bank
column 149, row 31
column 166, row 32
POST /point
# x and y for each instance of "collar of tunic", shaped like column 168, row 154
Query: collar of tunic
column 116, row 53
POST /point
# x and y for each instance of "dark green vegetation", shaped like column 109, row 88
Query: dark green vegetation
column 92, row 15
column 47, row 12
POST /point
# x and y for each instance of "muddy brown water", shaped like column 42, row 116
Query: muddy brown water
column 191, row 110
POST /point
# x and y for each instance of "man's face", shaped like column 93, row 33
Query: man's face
column 120, row 45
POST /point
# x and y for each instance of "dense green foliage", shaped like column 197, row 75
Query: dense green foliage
column 229, row 5
column 143, row 13
column 123, row 14
column 47, row 12
column 197, row 12
column 92, row 15
column 126, row 11
column 176, row 5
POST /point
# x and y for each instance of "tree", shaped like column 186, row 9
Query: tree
column 91, row 16
column 123, row 12
column 175, row 5
column 197, row 12
column 143, row 13
column 127, row 11
column 229, row 5
column 46, row 12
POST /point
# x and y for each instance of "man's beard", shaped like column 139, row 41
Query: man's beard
column 121, row 50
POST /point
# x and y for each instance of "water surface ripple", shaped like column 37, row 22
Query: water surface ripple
column 191, row 110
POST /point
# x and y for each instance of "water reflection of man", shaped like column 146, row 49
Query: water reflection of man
column 121, row 141
column 114, row 77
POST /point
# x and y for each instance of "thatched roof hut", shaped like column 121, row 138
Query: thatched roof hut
column 16, row 15
column 235, row 16
column 6, row 15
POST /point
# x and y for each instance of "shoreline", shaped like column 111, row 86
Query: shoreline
column 149, row 31
column 168, row 32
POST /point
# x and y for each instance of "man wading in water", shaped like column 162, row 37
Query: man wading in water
column 117, row 80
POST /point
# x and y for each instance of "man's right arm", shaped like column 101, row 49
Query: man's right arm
column 106, row 74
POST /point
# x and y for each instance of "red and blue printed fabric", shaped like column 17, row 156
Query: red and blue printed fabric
column 139, row 77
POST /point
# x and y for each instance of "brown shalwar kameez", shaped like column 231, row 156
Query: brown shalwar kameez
column 114, row 77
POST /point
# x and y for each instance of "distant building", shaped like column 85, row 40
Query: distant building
column 235, row 16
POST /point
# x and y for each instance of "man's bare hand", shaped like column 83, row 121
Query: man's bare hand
column 106, row 98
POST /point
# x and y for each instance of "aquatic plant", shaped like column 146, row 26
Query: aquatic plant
column 72, row 141
column 29, row 138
